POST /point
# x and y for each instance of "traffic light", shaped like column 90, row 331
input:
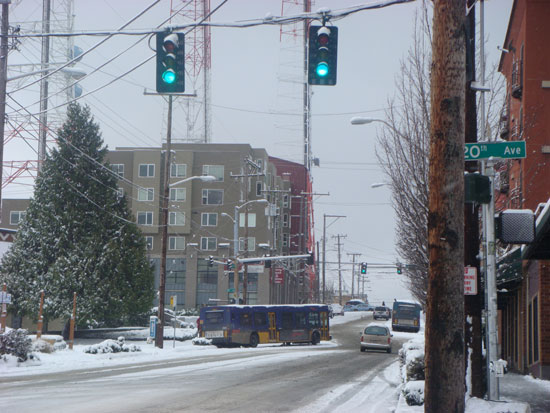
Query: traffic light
column 211, row 261
column 170, row 62
column 399, row 268
column 322, row 56
column 230, row 265
column 363, row 268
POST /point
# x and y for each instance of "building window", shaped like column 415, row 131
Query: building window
column 208, row 243
column 178, row 170
column 251, row 219
column 212, row 196
column 178, row 194
column 146, row 170
column 285, row 220
column 251, row 243
column 176, row 243
column 118, row 168
column 214, row 170
column 149, row 243
column 145, row 218
column 207, row 282
column 17, row 216
column 146, row 194
column 209, row 219
column 285, row 201
column 176, row 218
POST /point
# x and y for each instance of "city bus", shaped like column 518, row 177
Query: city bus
column 405, row 316
column 250, row 325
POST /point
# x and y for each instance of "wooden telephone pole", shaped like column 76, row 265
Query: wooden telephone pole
column 444, row 387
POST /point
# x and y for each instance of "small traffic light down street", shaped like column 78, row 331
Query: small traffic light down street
column 170, row 62
column 323, row 55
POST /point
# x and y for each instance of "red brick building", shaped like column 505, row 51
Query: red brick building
column 524, row 273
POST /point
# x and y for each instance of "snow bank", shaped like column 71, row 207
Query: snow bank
column 475, row 405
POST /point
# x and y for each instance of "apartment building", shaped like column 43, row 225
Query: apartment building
column 201, row 218
column 524, row 273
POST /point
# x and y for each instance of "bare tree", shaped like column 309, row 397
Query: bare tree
column 403, row 154
column 403, row 144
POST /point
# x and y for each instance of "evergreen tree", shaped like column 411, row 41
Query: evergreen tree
column 79, row 236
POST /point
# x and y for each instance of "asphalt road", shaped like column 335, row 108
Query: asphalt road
column 272, row 379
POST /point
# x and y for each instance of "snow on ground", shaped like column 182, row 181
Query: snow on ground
column 382, row 394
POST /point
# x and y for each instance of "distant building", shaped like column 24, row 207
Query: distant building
column 200, row 219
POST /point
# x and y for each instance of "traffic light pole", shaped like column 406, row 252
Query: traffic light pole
column 159, row 336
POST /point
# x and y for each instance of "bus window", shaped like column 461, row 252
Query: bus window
column 314, row 320
column 300, row 318
column 287, row 320
column 245, row 320
column 214, row 317
column 260, row 319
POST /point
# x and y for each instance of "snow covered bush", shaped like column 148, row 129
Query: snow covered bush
column 16, row 343
column 201, row 341
column 111, row 346
column 411, row 358
column 414, row 392
column 42, row 346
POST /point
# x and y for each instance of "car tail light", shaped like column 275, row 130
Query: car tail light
column 389, row 340
column 361, row 338
column 415, row 322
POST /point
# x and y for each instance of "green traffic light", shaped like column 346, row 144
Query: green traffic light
column 169, row 76
column 322, row 69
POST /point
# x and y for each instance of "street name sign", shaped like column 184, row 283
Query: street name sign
column 486, row 150
column 5, row 298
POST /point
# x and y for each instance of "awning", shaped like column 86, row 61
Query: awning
column 509, row 267
column 540, row 248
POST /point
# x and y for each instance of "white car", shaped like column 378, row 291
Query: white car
column 335, row 309
column 381, row 312
column 376, row 337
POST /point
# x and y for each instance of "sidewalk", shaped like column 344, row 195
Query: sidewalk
column 526, row 389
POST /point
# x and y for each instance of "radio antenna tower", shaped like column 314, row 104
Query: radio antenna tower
column 197, row 117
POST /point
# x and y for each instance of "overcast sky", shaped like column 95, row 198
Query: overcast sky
column 248, row 95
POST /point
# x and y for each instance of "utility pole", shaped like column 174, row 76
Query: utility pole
column 472, row 303
column 325, row 216
column 354, row 254
column 3, row 81
column 45, row 61
column 339, row 236
column 159, row 337
column 444, row 385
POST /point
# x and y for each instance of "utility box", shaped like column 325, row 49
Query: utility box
column 477, row 189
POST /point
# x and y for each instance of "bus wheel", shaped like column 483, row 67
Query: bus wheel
column 315, row 338
column 254, row 340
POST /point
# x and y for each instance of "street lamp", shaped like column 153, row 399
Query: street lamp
column 159, row 334
column 204, row 178
column 360, row 120
column 236, row 242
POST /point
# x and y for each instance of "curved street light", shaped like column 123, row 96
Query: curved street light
column 204, row 178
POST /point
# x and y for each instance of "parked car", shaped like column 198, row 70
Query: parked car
column 376, row 337
column 381, row 312
column 335, row 309
column 357, row 305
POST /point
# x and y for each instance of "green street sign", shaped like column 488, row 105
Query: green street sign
column 486, row 150
column 230, row 290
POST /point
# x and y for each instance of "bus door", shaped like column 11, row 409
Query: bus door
column 324, row 326
column 272, row 337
